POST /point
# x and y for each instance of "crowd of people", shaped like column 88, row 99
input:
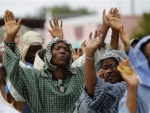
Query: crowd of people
column 96, row 78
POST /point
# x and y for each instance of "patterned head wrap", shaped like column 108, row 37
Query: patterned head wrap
column 48, row 55
column 111, row 54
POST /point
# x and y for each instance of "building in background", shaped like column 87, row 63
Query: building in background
column 77, row 29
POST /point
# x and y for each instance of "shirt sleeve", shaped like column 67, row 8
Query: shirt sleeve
column 23, row 79
column 122, row 104
column 104, row 92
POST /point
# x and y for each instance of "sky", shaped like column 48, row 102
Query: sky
column 22, row 8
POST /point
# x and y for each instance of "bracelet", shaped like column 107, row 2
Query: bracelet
column 89, row 58
column 114, row 36
column 10, row 43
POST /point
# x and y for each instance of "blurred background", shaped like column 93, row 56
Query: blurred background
column 80, row 17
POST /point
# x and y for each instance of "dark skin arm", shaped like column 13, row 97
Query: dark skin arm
column 12, row 27
column 115, row 32
column 116, row 24
column 89, row 74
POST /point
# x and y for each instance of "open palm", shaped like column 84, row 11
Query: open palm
column 11, row 25
column 94, row 43
column 114, row 22
column 130, row 78
column 56, row 29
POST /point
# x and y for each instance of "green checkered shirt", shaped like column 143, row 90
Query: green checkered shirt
column 41, row 92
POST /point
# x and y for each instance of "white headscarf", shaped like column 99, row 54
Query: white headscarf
column 30, row 38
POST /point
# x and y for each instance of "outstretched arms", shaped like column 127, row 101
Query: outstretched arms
column 90, row 74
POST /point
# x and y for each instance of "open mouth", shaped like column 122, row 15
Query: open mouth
column 63, row 57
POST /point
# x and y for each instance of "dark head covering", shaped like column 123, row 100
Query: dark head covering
column 48, row 67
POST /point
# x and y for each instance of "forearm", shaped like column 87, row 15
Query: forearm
column 105, row 30
column 10, row 40
column 114, row 39
column 132, row 99
column 123, row 37
column 90, row 75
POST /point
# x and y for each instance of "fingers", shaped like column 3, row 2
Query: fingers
column 19, row 21
column 6, row 16
column 51, row 24
column 108, row 18
column 9, row 16
column 104, row 12
column 61, row 24
column 90, row 36
column 95, row 35
column 115, row 11
column 73, row 52
column 119, row 16
column 125, row 62
column 104, row 17
column 102, row 73
column 50, row 31
column 12, row 16
column 78, row 51
column 110, row 11
column 124, row 67
column 55, row 20
column 55, row 23
column 83, row 43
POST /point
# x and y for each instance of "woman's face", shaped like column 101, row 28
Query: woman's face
column 60, row 54
column 30, row 56
column 110, row 66
column 147, row 51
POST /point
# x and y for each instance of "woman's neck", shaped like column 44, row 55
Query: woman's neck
column 59, row 73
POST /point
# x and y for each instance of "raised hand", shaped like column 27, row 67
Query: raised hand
column 105, row 21
column 94, row 43
column 56, row 29
column 83, row 46
column 128, row 73
column 75, row 54
column 114, row 22
column 11, row 25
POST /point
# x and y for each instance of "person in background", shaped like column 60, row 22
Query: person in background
column 103, row 90
column 136, row 99
column 31, row 42
column 80, row 60
column 133, row 42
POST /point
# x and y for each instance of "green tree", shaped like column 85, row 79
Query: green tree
column 144, row 27
column 63, row 11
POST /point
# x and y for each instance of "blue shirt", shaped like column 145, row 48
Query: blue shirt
column 143, row 99
column 105, row 100
column 140, row 64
